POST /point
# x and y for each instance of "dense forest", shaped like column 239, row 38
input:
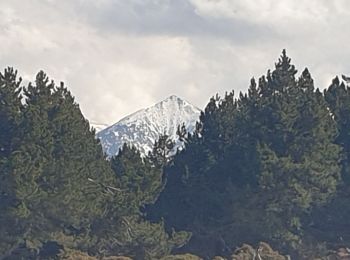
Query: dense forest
column 266, row 168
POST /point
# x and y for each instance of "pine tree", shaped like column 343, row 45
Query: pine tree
column 62, row 179
column 268, row 154
column 162, row 151
column 338, row 100
column 65, row 193
column 124, row 230
column 10, row 110
column 331, row 222
column 10, row 136
column 299, row 164
column 138, row 176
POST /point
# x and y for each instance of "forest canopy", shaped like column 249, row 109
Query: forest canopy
column 271, row 165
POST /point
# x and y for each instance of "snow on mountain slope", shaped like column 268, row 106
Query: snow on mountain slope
column 143, row 127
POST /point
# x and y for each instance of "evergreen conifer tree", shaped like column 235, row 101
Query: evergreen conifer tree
column 60, row 173
column 10, row 136
column 338, row 100
column 269, row 154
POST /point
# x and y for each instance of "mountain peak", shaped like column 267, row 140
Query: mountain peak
column 142, row 128
column 173, row 102
column 173, row 97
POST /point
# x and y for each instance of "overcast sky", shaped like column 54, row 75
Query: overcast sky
column 117, row 56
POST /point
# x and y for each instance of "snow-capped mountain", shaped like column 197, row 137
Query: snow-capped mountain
column 144, row 127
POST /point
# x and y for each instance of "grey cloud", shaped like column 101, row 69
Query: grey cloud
column 119, row 56
column 173, row 18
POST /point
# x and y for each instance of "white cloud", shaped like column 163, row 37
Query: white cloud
column 119, row 56
column 266, row 11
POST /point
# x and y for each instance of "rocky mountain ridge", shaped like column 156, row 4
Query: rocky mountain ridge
column 142, row 128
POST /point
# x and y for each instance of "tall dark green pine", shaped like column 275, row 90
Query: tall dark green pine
column 338, row 100
column 125, row 231
column 62, row 179
column 10, row 111
column 331, row 223
column 256, row 166
column 138, row 176
column 194, row 196
column 161, row 152
column 65, row 193
column 10, row 137
column 299, row 161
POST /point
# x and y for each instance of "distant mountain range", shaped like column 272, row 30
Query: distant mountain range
column 142, row 128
